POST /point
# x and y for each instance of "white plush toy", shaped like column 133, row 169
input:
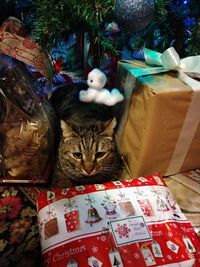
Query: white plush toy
column 96, row 93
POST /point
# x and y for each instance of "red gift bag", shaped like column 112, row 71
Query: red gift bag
column 142, row 232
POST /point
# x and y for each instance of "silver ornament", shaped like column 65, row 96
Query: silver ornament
column 134, row 15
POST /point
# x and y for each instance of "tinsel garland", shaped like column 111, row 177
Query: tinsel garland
column 175, row 23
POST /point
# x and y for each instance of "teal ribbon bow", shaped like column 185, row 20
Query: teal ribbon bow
column 170, row 60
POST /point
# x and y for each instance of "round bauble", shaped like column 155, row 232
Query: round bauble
column 134, row 15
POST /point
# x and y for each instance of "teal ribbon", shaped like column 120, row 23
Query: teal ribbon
column 170, row 60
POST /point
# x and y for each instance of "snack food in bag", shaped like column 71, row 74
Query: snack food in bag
column 26, row 125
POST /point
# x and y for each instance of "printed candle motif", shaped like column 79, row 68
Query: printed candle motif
column 51, row 228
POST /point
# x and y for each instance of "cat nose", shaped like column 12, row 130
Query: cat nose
column 88, row 167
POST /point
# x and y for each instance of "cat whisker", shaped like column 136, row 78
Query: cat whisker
column 110, row 169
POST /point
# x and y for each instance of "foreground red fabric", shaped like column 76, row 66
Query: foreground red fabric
column 123, row 223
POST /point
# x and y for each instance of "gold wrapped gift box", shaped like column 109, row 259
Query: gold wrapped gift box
column 153, row 136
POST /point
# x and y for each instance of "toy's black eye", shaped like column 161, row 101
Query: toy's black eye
column 100, row 154
column 77, row 155
column 91, row 81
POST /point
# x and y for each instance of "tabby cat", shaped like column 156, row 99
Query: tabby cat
column 87, row 151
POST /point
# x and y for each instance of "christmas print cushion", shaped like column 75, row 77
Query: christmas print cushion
column 124, row 223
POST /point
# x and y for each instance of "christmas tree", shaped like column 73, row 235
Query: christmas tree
column 70, row 16
column 175, row 23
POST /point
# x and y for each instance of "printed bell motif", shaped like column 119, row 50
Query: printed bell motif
column 93, row 216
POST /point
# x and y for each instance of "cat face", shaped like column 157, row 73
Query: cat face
column 87, row 153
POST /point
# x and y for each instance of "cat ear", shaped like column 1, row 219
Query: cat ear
column 110, row 126
column 67, row 130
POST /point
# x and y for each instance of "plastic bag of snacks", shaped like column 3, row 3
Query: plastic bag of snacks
column 26, row 125
column 123, row 223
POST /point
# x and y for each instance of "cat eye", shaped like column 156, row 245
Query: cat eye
column 77, row 155
column 100, row 154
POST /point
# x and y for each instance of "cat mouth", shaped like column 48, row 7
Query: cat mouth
column 89, row 173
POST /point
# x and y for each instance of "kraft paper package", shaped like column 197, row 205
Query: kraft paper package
column 159, row 130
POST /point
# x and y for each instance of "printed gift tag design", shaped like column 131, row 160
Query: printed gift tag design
column 72, row 263
column 51, row 228
column 115, row 258
column 129, row 230
column 189, row 244
column 50, row 195
column 148, row 257
column 94, row 262
column 157, row 249
column 172, row 246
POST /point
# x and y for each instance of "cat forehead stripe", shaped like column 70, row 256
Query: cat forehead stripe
column 91, row 142
column 88, row 142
